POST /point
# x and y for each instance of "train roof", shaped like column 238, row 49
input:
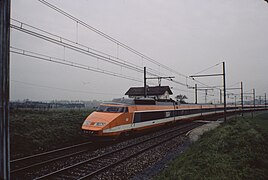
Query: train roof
column 140, row 101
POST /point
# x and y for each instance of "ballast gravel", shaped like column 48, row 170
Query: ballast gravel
column 150, row 163
column 147, row 164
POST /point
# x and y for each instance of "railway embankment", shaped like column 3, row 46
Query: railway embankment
column 238, row 149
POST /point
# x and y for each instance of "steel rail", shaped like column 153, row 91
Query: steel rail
column 55, row 173
column 31, row 158
column 19, row 171
column 138, row 153
column 48, row 152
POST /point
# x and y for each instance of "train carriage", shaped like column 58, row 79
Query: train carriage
column 123, row 116
column 114, row 118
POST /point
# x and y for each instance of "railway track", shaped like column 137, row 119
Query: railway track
column 77, row 160
column 90, row 167
column 19, row 166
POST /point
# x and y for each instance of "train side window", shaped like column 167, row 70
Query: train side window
column 126, row 109
column 137, row 117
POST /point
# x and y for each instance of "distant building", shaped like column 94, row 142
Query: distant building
column 158, row 92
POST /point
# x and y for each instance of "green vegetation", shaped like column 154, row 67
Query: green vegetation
column 34, row 131
column 236, row 150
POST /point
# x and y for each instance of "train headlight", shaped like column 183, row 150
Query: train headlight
column 100, row 124
column 86, row 123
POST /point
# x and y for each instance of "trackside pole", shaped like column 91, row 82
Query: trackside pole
column 254, row 104
column 242, row 98
column 195, row 93
column 220, row 97
column 144, row 81
column 4, row 93
column 265, row 101
column 224, row 85
column 224, row 90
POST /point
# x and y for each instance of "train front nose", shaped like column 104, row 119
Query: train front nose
column 93, row 128
column 91, row 132
column 96, row 122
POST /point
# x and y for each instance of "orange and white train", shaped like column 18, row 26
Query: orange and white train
column 128, row 115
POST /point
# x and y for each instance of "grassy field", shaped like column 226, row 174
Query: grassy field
column 34, row 131
column 236, row 150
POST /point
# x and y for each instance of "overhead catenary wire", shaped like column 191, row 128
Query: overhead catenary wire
column 181, row 90
column 204, row 71
column 62, row 89
column 73, row 46
column 234, row 84
column 110, row 59
column 117, row 42
column 66, row 43
column 208, row 68
column 71, row 64
column 106, row 57
column 84, row 49
column 68, row 63
column 189, row 91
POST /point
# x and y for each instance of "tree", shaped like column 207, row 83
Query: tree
column 181, row 98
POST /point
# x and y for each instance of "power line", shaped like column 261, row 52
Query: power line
column 118, row 43
column 72, row 64
column 212, row 75
column 188, row 91
column 204, row 71
column 59, row 40
column 95, row 52
column 234, row 84
column 76, row 20
column 61, row 89
column 208, row 68
column 85, row 49
column 73, row 46
column 206, row 84
column 77, row 49
column 68, row 63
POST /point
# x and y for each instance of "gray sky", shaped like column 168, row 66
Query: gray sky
column 187, row 36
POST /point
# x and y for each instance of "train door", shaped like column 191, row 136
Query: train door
column 174, row 111
column 126, row 117
column 136, row 118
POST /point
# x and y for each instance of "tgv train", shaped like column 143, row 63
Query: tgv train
column 123, row 116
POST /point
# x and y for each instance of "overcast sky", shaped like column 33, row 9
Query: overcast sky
column 185, row 35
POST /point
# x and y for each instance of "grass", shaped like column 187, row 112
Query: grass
column 34, row 131
column 236, row 150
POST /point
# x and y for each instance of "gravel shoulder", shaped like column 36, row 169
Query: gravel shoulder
column 196, row 133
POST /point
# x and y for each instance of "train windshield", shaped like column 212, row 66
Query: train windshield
column 113, row 109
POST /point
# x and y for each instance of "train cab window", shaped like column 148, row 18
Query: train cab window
column 125, row 109
column 113, row 109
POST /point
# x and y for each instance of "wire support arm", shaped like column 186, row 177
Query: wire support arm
column 205, row 75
